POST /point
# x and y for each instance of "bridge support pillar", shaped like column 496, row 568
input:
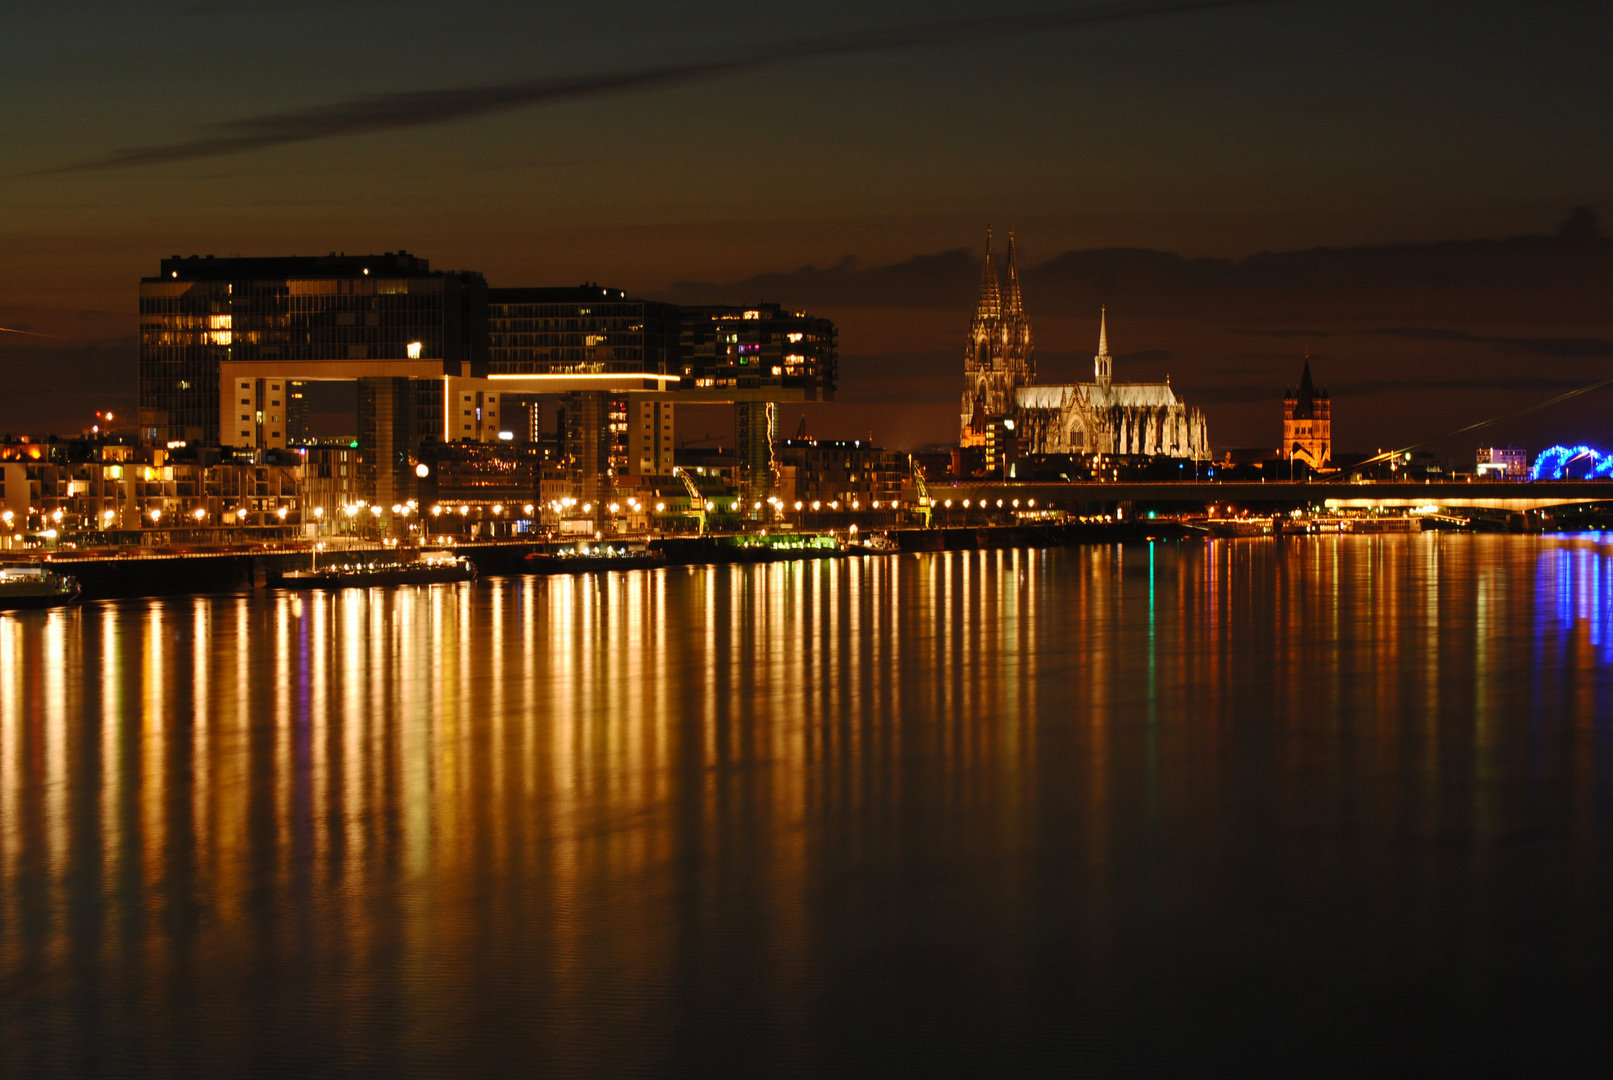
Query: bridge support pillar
column 388, row 437
column 755, row 433
column 588, row 446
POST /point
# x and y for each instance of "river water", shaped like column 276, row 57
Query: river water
column 1320, row 804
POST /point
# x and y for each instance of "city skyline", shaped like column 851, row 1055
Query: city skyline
column 873, row 144
column 805, row 539
column 1501, row 318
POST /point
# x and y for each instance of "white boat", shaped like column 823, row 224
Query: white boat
column 35, row 585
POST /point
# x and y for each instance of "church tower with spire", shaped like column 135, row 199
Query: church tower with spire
column 1307, row 422
column 1103, row 368
column 1011, row 416
column 1000, row 356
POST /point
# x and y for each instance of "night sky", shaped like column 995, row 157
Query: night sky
column 714, row 150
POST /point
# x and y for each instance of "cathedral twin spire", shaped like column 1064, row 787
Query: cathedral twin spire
column 1013, row 302
column 999, row 300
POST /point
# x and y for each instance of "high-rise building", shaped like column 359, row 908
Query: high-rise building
column 296, row 411
column 286, row 320
column 756, row 356
column 648, row 437
column 577, row 334
column 586, row 330
column 760, row 348
column 1307, row 423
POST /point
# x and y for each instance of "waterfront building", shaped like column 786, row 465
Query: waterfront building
column 485, row 489
column 146, row 495
column 586, row 330
column 225, row 339
column 330, row 480
column 575, row 334
column 648, row 438
column 1307, row 423
column 1503, row 463
column 840, row 471
column 757, row 356
column 1008, row 413
column 229, row 346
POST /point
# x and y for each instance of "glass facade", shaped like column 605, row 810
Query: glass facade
column 586, row 330
column 200, row 312
column 755, row 348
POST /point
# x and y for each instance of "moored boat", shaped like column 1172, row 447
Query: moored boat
column 428, row 570
column 35, row 585
column 585, row 558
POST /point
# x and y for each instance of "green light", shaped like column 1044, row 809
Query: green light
column 354, row 444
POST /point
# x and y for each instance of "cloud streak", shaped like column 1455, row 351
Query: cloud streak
column 410, row 109
column 1556, row 348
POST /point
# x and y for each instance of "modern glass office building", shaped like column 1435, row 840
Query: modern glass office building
column 584, row 330
column 335, row 317
column 760, row 348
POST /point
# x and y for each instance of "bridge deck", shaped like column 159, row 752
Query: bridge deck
column 1491, row 495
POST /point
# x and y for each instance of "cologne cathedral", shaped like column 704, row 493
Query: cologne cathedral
column 1099, row 417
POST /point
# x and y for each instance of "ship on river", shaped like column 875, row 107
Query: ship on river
column 35, row 585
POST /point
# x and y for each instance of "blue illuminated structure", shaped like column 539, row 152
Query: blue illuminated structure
column 1555, row 463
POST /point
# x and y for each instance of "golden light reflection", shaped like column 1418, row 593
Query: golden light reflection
column 572, row 779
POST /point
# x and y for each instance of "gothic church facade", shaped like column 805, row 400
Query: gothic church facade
column 1099, row 417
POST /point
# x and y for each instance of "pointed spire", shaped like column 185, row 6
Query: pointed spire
column 1304, row 400
column 990, row 305
column 1013, row 302
column 1102, row 365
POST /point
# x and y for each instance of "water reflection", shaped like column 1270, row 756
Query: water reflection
column 970, row 811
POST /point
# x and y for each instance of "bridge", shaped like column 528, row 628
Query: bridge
column 1097, row 496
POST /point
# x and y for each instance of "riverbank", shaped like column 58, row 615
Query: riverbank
column 132, row 573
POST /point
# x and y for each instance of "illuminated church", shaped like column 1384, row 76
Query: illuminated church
column 1100, row 417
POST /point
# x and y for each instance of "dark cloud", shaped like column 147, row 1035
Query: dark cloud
column 1516, row 383
column 1522, row 279
column 1268, row 394
column 1283, row 333
column 266, row 7
column 391, row 112
column 1580, row 225
column 1556, row 348
column 946, row 281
